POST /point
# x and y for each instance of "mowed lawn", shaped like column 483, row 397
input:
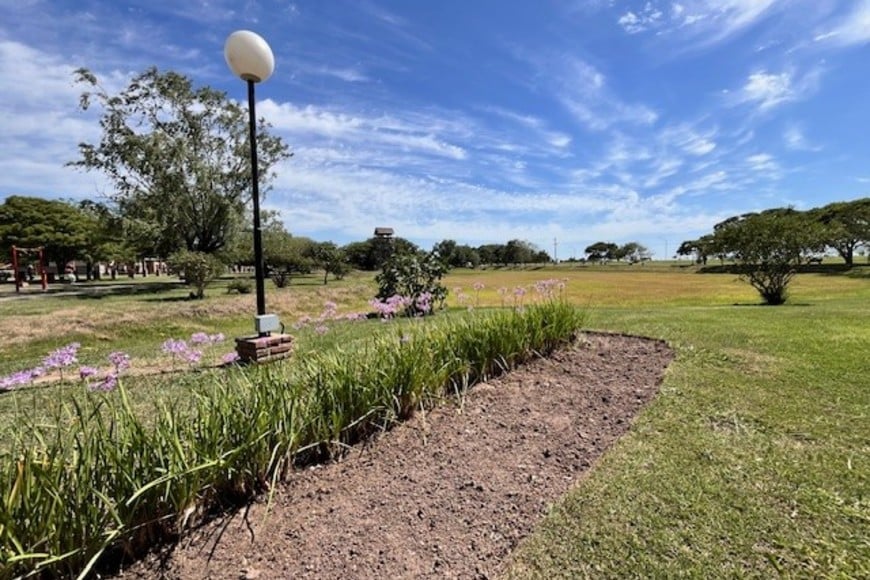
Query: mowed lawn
column 753, row 460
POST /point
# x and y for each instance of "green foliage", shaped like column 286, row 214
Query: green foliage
column 101, row 482
column 331, row 259
column 240, row 286
column 412, row 275
column 769, row 247
column 197, row 269
column 846, row 226
column 373, row 253
column 178, row 157
column 633, row 252
column 601, row 251
column 456, row 255
column 286, row 255
column 63, row 229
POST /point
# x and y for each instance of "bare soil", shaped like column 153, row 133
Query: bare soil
column 448, row 494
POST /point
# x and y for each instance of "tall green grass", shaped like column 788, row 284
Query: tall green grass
column 104, row 482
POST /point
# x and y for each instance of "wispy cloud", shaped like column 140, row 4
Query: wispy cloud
column 699, row 23
column 583, row 91
column 767, row 90
column 853, row 29
column 794, row 138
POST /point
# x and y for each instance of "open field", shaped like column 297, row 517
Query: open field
column 751, row 461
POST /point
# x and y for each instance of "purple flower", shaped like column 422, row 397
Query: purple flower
column 16, row 379
column 109, row 382
column 216, row 338
column 192, row 356
column 322, row 329
column 199, row 338
column 37, row 372
column 87, row 372
column 120, row 360
column 230, row 357
column 62, row 357
column 479, row 286
column 174, row 346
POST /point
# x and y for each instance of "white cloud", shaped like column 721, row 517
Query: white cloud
column 360, row 130
column 795, row 139
column 768, row 90
column 705, row 21
column 854, row 29
column 583, row 91
column 764, row 163
column 647, row 18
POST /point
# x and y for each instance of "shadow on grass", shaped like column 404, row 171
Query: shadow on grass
column 765, row 305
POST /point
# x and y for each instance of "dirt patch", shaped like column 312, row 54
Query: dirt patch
column 447, row 494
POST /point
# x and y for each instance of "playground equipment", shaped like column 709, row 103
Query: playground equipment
column 16, row 251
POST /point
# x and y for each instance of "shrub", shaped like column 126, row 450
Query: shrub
column 240, row 285
column 197, row 269
column 413, row 276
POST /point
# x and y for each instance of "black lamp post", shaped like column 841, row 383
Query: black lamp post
column 251, row 59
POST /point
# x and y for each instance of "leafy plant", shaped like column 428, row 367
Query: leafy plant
column 197, row 269
column 240, row 286
column 413, row 276
column 103, row 481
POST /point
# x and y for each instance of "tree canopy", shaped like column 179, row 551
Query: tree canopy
column 769, row 247
column 178, row 157
column 64, row 230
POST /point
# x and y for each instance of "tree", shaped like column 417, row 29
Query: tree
column 64, row 230
column 491, row 253
column 198, row 269
column 331, row 259
column 601, row 251
column 633, row 252
column 285, row 255
column 455, row 255
column 373, row 253
column 847, row 226
column 520, row 252
column 178, row 157
column 769, row 247
column 702, row 248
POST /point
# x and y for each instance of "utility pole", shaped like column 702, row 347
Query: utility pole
column 555, row 250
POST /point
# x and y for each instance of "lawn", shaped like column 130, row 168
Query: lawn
column 752, row 460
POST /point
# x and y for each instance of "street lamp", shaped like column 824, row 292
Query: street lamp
column 251, row 59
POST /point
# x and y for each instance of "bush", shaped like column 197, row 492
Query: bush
column 411, row 276
column 103, row 480
column 240, row 286
column 197, row 269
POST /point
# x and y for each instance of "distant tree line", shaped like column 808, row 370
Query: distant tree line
column 843, row 227
column 631, row 252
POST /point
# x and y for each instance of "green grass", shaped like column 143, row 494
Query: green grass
column 753, row 461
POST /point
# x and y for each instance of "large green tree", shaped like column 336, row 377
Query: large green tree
column 178, row 157
column 847, row 226
column 63, row 229
column 769, row 247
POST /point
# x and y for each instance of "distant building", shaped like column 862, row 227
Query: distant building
column 383, row 232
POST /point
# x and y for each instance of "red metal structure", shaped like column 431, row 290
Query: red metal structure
column 42, row 273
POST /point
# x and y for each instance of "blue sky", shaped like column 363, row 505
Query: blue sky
column 480, row 120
